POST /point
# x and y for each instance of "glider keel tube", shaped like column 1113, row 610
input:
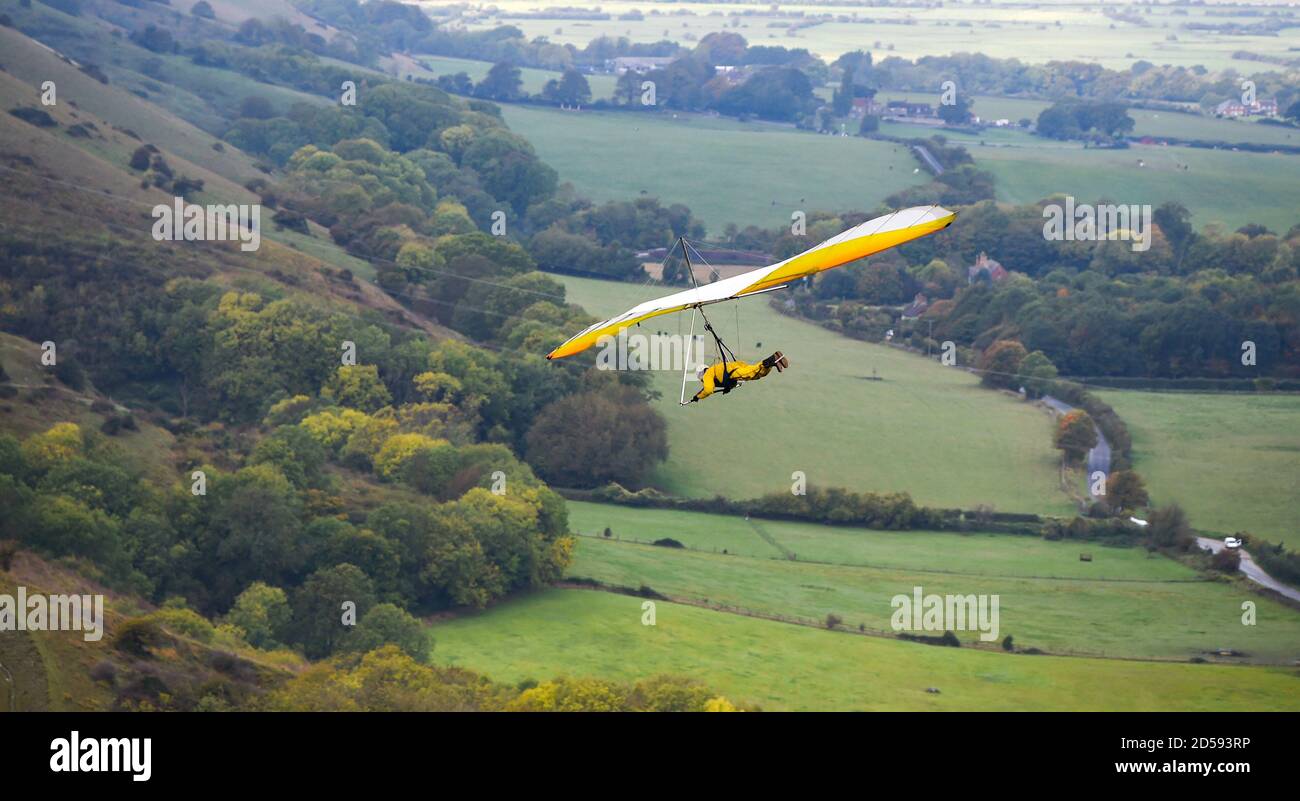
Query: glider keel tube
column 860, row 241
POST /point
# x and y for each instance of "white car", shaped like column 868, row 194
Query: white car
column 1232, row 542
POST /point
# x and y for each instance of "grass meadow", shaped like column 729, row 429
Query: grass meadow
column 757, row 173
column 1232, row 461
column 785, row 667
column 925, row 429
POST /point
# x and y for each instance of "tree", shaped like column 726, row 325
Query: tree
column 571, row 89
column 252, row 533
column 1167, row 527
column 357, row 386
column 1174, row 221
column 627, row 91
column 593, row 438
column 957, row 113
column 1125, row 491
column 398, row 449
column 503, row 82
column 1037, row 374
column 263, row 613
column 388, row 624
column 320, row 603
column 295, row 453
column 63, row 441
column 870, row 124
column 1000, row 363
column 1076, row 435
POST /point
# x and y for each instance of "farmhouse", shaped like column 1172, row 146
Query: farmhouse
column 917, row 307
column 985, row 269
column 904, row 108
column 1258, row 108
column 863, row 106
column 637, row 64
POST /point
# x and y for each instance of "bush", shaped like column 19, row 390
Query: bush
column 833, row 620
column 1277, row 561
column 1227, row 560
column 137, row 636
column 184, row 621
column 33, row 116
column 69, row 371
column 104, row 671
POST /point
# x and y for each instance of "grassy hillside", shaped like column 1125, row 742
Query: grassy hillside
column 38, row 400
column 1230, row 460
column 61, row 671
column 616, row 155
column 925, row 429
column 792, row 667
column 83, row 184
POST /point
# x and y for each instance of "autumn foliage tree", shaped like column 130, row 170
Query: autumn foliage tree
column 1075, row 435
column 1000, row 363
column 1125, row 491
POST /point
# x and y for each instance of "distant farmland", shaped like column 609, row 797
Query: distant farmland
column 725, row 171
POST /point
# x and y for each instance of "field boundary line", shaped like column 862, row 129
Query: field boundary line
column 770, row 540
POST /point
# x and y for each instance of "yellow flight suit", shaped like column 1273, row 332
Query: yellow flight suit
column 739, row 371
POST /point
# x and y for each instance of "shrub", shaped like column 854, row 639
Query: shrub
column 1227, row 560
column 137, row 636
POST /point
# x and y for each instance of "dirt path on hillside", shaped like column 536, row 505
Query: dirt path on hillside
column 23, row 686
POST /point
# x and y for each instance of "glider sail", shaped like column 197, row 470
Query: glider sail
column 865, row 239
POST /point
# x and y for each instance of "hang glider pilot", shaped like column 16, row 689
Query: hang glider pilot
column 726, row 376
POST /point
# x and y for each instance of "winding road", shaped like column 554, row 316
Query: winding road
column 1099, row 459
column 1251, row 569
column 1099, row 456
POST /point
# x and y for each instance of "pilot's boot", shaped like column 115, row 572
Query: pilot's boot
column 778, row 361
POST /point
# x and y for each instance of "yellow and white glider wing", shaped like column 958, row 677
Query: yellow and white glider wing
column 870, row 237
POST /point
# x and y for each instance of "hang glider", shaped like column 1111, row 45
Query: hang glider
column 865, row 239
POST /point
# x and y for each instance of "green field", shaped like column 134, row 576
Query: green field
column 1217, row 185
column 612, row 155
column 968, row 553
column 757, row 173
column 1170, row 619
column 1231, row 460
column 1233, row 188
column 780, row 666
column 925, row 429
